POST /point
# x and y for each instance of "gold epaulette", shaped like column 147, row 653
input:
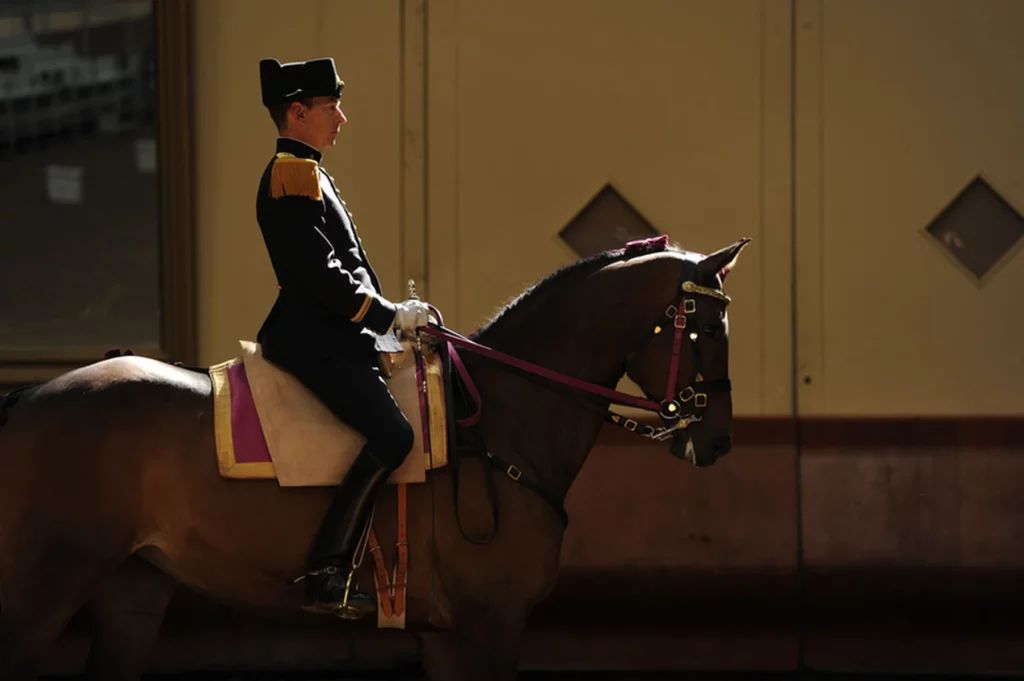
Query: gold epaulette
column 293, row 176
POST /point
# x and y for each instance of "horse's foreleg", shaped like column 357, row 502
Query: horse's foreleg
column 126, row 615
column 485, row 648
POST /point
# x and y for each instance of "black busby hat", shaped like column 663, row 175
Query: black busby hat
column 286, row 82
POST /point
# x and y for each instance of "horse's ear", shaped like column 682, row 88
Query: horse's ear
column 721, row 262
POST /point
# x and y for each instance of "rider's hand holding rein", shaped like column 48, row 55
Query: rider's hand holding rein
column 410, row 315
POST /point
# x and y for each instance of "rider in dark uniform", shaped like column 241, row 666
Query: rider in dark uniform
column 330, row 318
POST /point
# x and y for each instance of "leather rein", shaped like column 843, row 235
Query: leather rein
column 677, row 410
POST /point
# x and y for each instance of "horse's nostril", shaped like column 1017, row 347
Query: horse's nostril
column 722, row 445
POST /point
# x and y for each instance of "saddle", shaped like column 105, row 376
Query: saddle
column 269, row 426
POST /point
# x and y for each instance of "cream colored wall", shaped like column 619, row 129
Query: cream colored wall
column 901, row 103
column 235, row 140
column 683, row 105
column 477, row 133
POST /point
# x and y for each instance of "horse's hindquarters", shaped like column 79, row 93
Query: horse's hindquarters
column 83, row 460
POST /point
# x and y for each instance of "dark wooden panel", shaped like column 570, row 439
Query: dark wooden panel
column 912, row 538
column 659, row 551
column 735, row 515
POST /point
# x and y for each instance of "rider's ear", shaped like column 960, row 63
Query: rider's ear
column 721, row 262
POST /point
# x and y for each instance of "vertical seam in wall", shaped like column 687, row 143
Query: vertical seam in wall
column 458, row 184
column 424, row 77
column 761, row 198
column 321, row 28
column 402, row 198
column 823, row 394
column 794, row 345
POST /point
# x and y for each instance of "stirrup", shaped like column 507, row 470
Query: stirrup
column 349, row 608
column 346, row 609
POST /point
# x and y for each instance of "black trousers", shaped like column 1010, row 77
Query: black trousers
column 353, row 387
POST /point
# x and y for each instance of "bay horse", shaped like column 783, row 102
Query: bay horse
column 111, row 469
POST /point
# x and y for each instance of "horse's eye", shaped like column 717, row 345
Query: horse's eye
column 712, row 330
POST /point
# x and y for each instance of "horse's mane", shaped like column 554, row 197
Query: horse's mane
column 580, row 268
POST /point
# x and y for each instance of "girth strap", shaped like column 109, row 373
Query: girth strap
column 517, row 475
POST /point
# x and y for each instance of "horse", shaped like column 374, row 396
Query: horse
column 109, row 471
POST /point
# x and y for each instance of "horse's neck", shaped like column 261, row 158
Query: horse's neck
column 586, row 333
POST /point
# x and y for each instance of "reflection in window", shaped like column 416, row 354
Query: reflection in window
column 79, row 212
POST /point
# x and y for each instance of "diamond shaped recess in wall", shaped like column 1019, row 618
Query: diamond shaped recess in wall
column 607, row 221
column 978, row 228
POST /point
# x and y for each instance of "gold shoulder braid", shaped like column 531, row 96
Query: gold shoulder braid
column 293, row 176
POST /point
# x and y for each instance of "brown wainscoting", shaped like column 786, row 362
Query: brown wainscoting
column 696, row 568
column 913, row 544
column 901, row 549
column 846, row 545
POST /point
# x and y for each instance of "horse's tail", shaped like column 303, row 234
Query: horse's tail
column 8, row 401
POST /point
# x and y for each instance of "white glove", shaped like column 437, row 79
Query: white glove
column 411, row 315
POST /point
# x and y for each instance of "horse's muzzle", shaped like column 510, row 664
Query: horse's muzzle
column 683, row 447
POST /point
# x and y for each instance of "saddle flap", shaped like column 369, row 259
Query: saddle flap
column 310, row 446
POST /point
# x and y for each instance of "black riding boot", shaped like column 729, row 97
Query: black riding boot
column 330, row 557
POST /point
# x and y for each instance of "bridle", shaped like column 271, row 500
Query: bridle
column 687, row 406
column 677, row 411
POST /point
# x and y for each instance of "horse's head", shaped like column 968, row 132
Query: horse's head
column 685, row 365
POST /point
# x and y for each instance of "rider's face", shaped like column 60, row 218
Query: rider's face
column 321, row 121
